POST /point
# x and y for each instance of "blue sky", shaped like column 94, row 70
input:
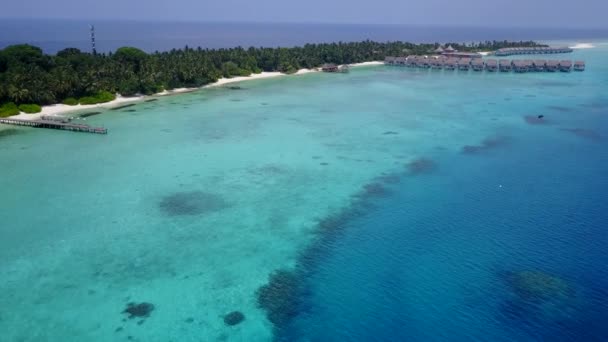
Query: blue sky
column 533, row 13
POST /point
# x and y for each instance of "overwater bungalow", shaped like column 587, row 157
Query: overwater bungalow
column 464, row 64
column 504, row 65
column 523, row 65
column 565, row 66
column 539, row 65
column 462, row 54
column 531, row 50
column 491, row 65
column 401, row 61
column 579, row 66
column 552, row 66
column 439, row 50
column 389, row 60
column 477, row 64
column 438, row 63
column 450, row 64
column 449, row 49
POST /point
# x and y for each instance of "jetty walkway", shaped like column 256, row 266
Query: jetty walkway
column 47, row 122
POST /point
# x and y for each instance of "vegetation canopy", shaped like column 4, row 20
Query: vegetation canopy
column 28, row 76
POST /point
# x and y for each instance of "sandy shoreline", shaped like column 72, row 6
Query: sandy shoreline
column 61, row 109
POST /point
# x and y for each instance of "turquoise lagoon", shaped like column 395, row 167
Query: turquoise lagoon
column 398, row 202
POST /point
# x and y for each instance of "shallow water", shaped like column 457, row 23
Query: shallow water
column 399, row 203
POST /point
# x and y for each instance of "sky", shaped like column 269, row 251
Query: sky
column 504, row 13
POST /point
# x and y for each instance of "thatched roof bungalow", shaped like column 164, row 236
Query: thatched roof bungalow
column 579, row 66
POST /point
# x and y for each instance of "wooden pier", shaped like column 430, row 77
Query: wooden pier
column 54, row 124
column 489, row 65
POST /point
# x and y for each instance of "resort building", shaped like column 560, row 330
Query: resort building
column 579, row 66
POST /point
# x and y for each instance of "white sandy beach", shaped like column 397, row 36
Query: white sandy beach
column 582, row 46
column 61, row 109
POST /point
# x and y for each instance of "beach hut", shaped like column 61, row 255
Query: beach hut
column 329, row 67
column 565, row 66
column 579, row 66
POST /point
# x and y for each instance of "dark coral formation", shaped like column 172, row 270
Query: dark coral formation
column 535, row 120
column 486, row 144
column 538, row 286
column 538, row 295
column 374, row 189
column 86, row 115
column 9, row 132
column 421, row 166
column 390, row 133
column 279, row 298
column 235, row 88
column 192, row 203
column 139, row 310
column 390, row 178
column 584, row 133
column 234, row 318
column 123, row 106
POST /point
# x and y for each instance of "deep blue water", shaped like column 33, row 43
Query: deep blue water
column 54, row 35
column 435, row 258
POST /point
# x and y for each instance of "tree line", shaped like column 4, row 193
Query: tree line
column 28, row 76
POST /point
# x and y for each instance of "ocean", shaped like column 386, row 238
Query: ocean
column 55, row 35
column 385, row 204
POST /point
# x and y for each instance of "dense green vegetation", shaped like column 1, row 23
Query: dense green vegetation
column 8, row 109
column 100, row 97
column 30, row 108
column 70, row 101
column 27, row 75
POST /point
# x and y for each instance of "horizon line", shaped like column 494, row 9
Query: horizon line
column 421, row 25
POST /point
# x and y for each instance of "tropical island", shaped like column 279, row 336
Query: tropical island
column 30, row 78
